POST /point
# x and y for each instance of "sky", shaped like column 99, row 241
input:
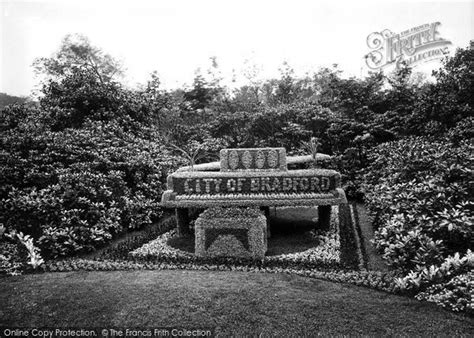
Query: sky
column 175, row 37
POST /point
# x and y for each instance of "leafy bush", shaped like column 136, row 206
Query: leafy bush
column 464, row 130
column 74, row 189
column 18, row 253
column 449, row 284
column 85, row 164
column 418, row 192
column 422, row 277
column 11, row 258
column 455, row 295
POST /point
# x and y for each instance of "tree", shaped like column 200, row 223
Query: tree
column 6, row 100
column 201, row 95
column 77, row 53
column 82, row 83
column 449, row 100
column 207, row 91
column 288, row 88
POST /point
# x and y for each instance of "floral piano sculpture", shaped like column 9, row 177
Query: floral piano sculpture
column 256, row 178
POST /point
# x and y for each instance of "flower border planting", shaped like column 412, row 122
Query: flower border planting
column 321, row 257
column 384, row 281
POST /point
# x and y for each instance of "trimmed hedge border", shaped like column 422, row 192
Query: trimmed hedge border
column 122, row 249
column 351, row 246
column 363, row 246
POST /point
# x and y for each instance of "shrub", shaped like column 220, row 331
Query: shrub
column 418, row 192
column 421, row 277
column 11, row 260
column 464, row 130
column 455, row 295
column 73, row 190
column 18, row 253
column 449, row 284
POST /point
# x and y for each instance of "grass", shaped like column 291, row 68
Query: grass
column 230, row 302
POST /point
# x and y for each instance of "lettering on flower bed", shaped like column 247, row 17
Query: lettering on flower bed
column 250, row 185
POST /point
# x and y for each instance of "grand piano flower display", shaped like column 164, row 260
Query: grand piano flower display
column 255, row 178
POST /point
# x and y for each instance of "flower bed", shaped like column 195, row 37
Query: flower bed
column 327, row 250
column 324, row 254
column 159, row 248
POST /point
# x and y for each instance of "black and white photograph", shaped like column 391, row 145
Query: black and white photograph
column 206, row 168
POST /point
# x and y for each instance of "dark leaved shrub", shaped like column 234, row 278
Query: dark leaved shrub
column 74, row 189
column 418, row 191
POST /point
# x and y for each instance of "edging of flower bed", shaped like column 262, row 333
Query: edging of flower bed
column 383, row 281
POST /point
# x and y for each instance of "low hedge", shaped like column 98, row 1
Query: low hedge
column 121, row 250
column 350, row 249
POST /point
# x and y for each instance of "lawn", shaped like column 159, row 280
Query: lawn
column 230, row 302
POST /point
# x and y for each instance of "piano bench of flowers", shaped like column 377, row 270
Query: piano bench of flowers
column 231, row 232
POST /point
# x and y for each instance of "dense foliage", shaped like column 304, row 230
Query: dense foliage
column 418, row 190
column 74, row 189
column 81, row 166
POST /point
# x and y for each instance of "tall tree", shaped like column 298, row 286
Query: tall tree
column 77, row 53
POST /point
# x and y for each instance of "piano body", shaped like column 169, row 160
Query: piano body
column 253, row 177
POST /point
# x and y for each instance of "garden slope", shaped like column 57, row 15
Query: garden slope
column 232, row 302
